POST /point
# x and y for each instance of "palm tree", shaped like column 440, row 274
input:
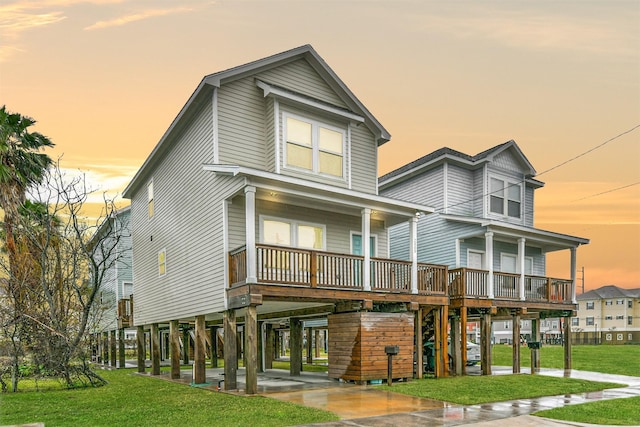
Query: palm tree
column 22, row 165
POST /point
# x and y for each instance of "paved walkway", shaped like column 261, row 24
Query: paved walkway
column 367, row 406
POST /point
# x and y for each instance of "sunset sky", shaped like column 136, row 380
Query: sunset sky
column 105, row 78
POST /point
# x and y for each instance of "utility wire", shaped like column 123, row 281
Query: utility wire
column 608, row 191
column 546, row 171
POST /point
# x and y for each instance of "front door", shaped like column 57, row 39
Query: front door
column 356, row 249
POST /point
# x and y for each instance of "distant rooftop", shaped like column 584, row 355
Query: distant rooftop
column 609, row 292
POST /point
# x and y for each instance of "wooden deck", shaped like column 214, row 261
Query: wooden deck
column 471, row 283
column 327, row 270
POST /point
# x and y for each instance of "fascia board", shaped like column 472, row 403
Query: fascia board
column 345, row 196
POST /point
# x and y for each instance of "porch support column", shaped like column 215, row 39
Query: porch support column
column 155, row 349
column 521, row 266
column 141, row 349
column 444, row 323
column 485, row 342
column 199, row 374
column 213, row 331
column 573, row 275
column 309, row 348
column 419, row 344
column 251, row 349
column 516, row 341
column 488, row 237
column 366, row 249
column 230, row 351
column 295, row 344
column 121, row 353
column 567, row 344
column 270, row 346
column 535, row 353
column 112, row 343
column 174, row 347
column 437, row 343
column 457, row 345
column 463, row 337
column 413, row 223
column 186, row 338
column 250, row 227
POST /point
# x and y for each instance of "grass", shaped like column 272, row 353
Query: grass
column 608, row 359
column 131, row 399
column 472, row 390
column 609, row 412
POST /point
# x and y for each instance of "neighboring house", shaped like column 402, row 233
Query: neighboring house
column 259, row 208
column 609, row 314
column 112, row 314
column 483, row 230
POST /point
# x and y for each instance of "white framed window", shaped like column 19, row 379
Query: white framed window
column 620, row 302
column 630, row 304
column 509, row 264
column 590, row 321
column 127, row 289
column 286, row 232
column 505, row 198
column 608, row 317
column 629, row 320
column 150, row 203
column 575, row 321
column 620, row 317
column 162, row 262
column 314, row 146
column 590, row 305
column 608, row 302
column 475, row 259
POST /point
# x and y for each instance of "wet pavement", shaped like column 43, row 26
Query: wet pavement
column 369, row 406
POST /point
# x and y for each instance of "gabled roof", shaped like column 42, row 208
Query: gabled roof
column 449, row 154
column 220, row 78
column 609, row 292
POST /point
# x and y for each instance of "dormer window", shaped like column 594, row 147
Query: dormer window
column 505, row 198
column 314, row 146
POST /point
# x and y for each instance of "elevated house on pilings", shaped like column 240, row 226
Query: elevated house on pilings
column 112, row 327
column 259, row 208
column 483, row 231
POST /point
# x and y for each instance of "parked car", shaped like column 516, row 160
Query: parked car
column 473, row 355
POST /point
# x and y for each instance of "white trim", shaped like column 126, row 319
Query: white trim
column 359, row 233
column 507, row 182
column 315, row 146
column 215, row 124
column 277, row 135
column 225, row 248
column 351, row 197
column 366, row 249
column 294, row 224
column 250, row 233
column 483, row 258
column 347, row 154
column 445, row 184
column 308, row 102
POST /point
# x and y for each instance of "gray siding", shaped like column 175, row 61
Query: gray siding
column 300, row 77
column 364, row 160
column 426, row 189
column 479, row 196
column 507, row 161
column 241, row 124
column 528, row 206
column 459, row 190
column 188, row 225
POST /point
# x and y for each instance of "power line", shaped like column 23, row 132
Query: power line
column 482, row 196
column 590, row 150
column 608, row 191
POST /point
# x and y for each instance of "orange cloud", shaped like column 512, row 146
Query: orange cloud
column 127, row 19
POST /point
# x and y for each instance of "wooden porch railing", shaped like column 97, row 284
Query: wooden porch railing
column 125, row 312
column 302, row 267
column 471, row 283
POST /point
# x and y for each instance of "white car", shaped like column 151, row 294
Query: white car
column 473, row 353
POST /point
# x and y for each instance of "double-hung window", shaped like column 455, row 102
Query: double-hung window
column 314, row 146
column 292, row 233
column 505, row 198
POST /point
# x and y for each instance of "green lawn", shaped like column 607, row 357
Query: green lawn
column 609, row 412
column 471, row 390
column 135, row 400
column 608, row 359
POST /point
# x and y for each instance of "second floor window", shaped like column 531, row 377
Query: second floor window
column 314, row 146
column 505, row 198
column 590, row 305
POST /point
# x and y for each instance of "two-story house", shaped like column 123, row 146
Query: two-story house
column 483, row 230
column 112, row 326
column 608, row 315
column 260, row 206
